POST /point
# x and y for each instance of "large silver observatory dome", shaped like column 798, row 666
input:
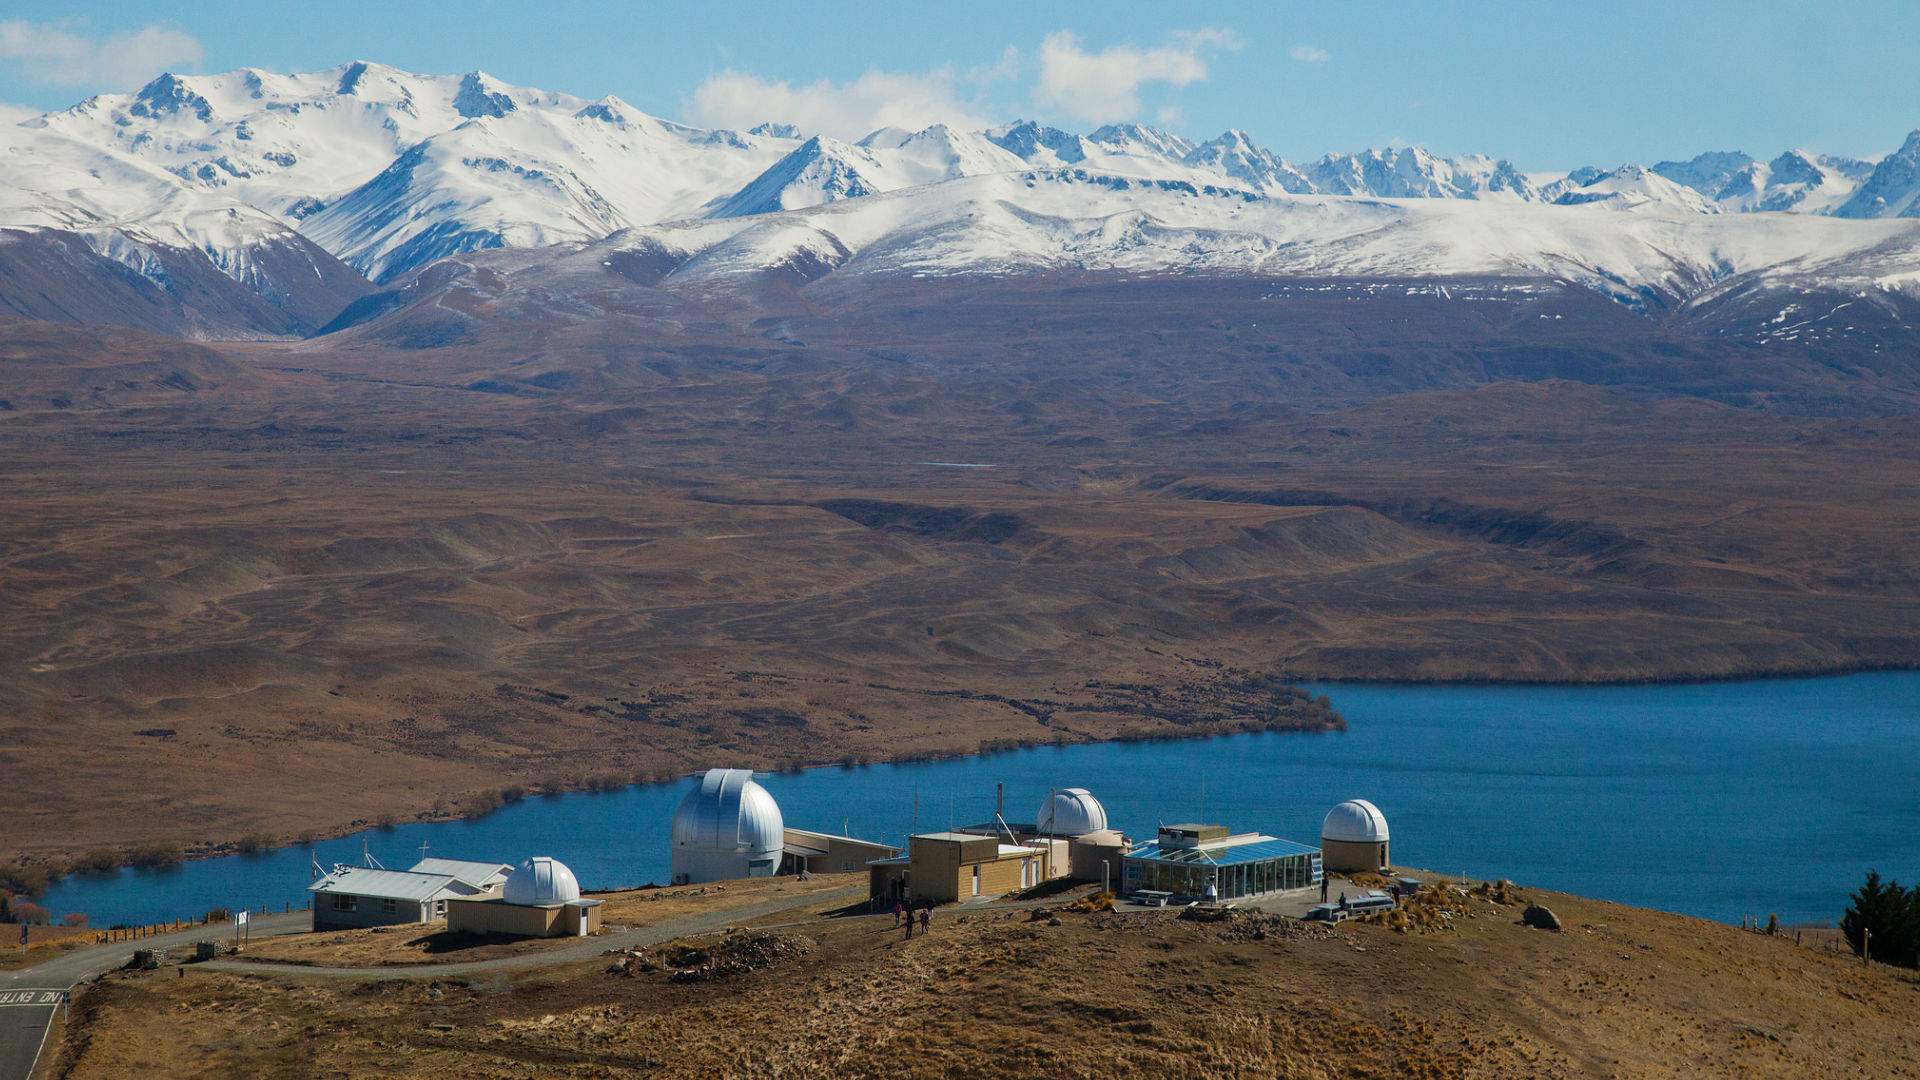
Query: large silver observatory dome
column 727, row 827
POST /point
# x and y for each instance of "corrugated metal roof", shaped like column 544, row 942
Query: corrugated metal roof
column 1228, row 855
column 478, row 874
column 391, row 884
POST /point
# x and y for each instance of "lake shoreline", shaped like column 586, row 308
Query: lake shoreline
column 1450, row 763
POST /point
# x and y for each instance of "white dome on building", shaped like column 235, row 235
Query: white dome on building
column 727, row 827
column 1355, row 821
column 542, row 882
column 1071, row 811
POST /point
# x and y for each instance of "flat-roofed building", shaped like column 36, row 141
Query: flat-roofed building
column 1185, row 859
column 826, row 853
column 943, row 867
column 358, row 896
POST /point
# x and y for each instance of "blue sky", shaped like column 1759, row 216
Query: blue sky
column 1547, row 85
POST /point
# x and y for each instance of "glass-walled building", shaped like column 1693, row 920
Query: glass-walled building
column 1185, row 859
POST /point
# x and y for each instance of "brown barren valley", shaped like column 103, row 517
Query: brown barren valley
column 486, row 536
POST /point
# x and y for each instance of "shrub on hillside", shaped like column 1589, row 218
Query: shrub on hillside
column 26, row 879
column 255, row 843
column 481, row 804
column 75, row 918
column 1891, row 915
column 155, row 855
column 97, row 861
column 30, row 913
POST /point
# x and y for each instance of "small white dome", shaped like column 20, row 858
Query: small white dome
column 540, row 882
column 1355, row 821
column 1071, row 811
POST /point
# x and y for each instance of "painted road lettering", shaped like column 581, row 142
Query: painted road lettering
column 17, row 998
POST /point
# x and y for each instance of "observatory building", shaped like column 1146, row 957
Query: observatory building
column 1353, row 838
column 1186, row 860
column 1071, row 811
column 542, row 899
column 727, row 827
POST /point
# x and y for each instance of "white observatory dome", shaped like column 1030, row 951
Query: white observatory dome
column 542, row 882
column 728, row 827
column 1071, row 811
column 1355, row 821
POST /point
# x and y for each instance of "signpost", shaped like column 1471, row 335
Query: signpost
column 242, row 932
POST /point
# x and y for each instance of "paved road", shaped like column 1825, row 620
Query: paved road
column 29, row 998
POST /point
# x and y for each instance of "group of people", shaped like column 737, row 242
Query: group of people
column 903, row 915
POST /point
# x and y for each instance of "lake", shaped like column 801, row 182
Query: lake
column 1711, row 799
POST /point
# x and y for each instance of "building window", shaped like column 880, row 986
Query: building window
column 439, row 907
column 344, row 903
column 389, row 906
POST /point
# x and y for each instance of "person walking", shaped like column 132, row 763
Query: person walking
column 897, row 910
column 1323, row 888
column 909, row 924
column 926, row 919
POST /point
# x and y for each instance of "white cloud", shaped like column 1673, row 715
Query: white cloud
column 877, row 99
column 1310, row 54
column 13, row 114
column 54, row 54
column 1104, row 86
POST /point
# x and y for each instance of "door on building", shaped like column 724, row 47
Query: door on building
column 976, row 879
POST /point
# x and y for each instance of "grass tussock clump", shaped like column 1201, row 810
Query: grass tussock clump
column 1087, row 905
column 1430, row 910
column 1500, row 892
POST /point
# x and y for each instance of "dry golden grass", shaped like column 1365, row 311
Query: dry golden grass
column 1620, row 992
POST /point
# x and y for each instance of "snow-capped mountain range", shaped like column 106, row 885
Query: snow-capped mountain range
column 386, row 171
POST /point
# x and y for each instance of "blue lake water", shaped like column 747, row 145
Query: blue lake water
column 1712, row 799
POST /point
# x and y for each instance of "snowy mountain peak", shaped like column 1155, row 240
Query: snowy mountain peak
column 1631, row 187
column 1234, row 154
column 1038, row 144
column 776, row 131
column 1140, row 139
column 611, row 110
column 480, row 96
column 169, row 94
column 820, row 170
column 1892, row 189
column 1413, row 172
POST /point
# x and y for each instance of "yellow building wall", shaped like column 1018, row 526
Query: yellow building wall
column 1348, row 857
column 499, row 917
